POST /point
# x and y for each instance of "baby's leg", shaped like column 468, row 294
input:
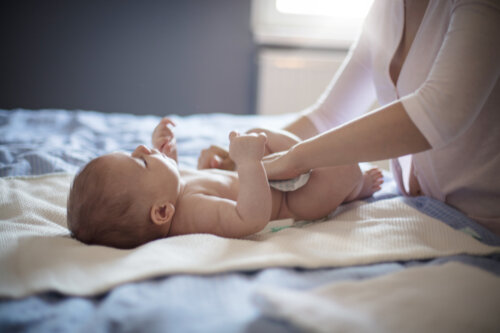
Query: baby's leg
column 277, row 140
column 326, row 189
column 372, row 179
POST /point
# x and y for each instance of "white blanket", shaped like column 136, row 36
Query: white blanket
column 37, row 254
column 450, row 298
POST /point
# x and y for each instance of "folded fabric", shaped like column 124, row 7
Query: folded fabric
column 37, row 254
column 450, row 298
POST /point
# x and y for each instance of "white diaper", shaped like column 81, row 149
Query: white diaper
column 289, row 185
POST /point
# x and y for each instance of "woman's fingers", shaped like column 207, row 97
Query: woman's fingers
column 278, row 168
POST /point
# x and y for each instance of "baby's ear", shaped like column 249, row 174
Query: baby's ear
column 162, row 212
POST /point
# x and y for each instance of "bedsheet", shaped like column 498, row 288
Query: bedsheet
column 473, row 301
column 37, row 254
column 46, row 141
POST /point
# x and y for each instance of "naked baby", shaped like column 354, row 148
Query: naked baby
column 125, row 200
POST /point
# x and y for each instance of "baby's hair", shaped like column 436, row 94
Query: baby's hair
column 102, row 216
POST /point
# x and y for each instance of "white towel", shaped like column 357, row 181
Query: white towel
column 37, row 254
column 450, row 298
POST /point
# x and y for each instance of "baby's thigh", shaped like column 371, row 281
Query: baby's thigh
column 326, row 189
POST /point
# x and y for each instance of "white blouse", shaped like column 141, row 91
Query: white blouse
column 449, row 87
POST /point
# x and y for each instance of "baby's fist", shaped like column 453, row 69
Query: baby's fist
column 163, row 138
column 246, row 147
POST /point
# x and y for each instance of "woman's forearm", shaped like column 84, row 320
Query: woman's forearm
column 384, row 133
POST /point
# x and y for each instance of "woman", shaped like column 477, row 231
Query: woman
column 434, row 68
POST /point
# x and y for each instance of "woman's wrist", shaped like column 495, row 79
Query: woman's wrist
column 297, row 159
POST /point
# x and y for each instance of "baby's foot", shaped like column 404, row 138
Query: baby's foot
column 372, row 179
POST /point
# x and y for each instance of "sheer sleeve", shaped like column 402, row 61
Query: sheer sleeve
column 463, row 75
column 351, row 91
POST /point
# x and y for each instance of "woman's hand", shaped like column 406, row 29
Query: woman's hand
column 163, row 138
column 281, row 165
column 215, row 157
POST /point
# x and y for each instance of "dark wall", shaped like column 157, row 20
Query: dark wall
column 149, row 57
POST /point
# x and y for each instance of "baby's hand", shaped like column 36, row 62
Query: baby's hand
column 246, row 147
column 163, row 138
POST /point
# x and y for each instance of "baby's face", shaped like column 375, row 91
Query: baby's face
column 153, row 171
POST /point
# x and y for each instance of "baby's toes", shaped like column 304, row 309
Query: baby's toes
column 378, row 184
column 376, row 173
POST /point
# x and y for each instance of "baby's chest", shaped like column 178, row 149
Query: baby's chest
column 220, row 185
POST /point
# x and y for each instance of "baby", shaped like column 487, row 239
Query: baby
column 125, row 200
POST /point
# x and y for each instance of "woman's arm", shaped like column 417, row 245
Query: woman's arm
column 350, row 94
column 384, row 133
column 463, row 75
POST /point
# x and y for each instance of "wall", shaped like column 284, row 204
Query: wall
column 144, row 57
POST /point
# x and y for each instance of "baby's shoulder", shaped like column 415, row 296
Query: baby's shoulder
column 193, row 214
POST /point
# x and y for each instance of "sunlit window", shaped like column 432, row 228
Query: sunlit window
column 352, row 9
column 308, row 23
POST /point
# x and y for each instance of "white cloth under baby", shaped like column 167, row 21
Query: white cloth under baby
column 288, row 185
column 37, row 254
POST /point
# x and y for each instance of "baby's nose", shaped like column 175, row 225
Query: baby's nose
column 141, row 150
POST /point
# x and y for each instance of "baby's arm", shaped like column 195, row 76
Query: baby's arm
column 254, row 201
column 251, row 211
column 218, row 216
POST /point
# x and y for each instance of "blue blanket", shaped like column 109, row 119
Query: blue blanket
column 46, row 141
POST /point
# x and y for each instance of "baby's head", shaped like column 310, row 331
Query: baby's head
column 124, row 200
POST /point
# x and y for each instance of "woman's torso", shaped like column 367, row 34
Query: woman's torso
column 463, row 173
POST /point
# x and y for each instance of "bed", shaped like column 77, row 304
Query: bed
column 441, row 272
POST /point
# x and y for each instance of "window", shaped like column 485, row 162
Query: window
column 308, row 23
